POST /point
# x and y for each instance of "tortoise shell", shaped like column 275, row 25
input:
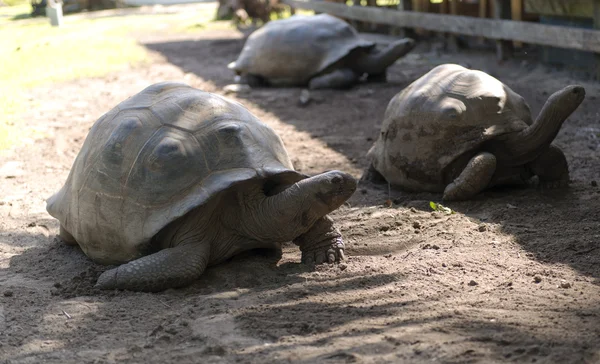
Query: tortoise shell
column 441, row 119
column 155, row 157
column 293, row 50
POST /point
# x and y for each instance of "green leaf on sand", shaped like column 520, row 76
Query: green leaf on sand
column 440, row 207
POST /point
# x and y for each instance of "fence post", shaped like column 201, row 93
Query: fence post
column 516, row 9
column 54, row 12
column 597, row 26
column 501, row 45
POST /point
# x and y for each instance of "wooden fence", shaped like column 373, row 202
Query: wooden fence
column 498, row 29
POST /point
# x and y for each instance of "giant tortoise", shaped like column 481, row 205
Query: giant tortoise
column 459, row 131
column 320, row 51
column 175, row 179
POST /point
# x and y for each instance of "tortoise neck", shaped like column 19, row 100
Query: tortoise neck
column 376, row 61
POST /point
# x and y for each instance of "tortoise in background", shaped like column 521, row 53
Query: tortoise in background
column 175, row 179
column 320, row 51
column 459, row 131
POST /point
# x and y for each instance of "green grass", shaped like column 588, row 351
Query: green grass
column 15, row 2
column 16, row 12
column 33, row 53
column 37, row 54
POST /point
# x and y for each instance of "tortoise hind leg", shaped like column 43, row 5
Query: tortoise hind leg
column 552, row 168
column 379, row 77
column 167, row 268
column 255, row 81
column 373, row 176
column 473, row 179
column 66, row 236
column 338, row 79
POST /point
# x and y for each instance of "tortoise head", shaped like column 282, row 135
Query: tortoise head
column 527, row 144
column 375, row 61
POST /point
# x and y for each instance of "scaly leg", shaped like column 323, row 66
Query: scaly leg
column 167, row 268
column 338, row 79
column 552, row 168
column 473, row 179
column 372, row 175
column 66, row 236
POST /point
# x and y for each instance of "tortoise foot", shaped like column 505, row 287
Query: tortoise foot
column 553, row 185
column 107, row 280
column 331, row 251
column 66, row 236
column 379, row 78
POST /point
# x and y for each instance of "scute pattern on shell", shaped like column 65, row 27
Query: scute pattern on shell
column 295, row 49
column 444, row 115
column 153, row 158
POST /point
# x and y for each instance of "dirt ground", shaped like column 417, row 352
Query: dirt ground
column 512, row 276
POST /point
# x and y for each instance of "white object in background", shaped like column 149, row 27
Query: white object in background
column 54, row 12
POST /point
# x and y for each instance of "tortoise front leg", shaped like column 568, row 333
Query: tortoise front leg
column 168, row 268
column 321, row 243
column 338, row 79
column 66, row 236
column 373, row 176
column 551, row 167
column 253, row 81
column 473, row 179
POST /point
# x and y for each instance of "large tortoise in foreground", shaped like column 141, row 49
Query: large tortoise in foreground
column 320, row 51
column 459, row 131
column 175, row 179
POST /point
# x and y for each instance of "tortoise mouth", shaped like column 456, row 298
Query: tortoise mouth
column 340, row 187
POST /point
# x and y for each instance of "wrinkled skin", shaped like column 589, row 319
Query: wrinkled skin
column 459, row 131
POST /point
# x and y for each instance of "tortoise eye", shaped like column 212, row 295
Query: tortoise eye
column 451, row 113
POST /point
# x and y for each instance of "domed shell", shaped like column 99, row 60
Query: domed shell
column 447, row 113
column 155, row 157
column 293, row 50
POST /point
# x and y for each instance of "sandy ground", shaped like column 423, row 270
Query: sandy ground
column 512, row 276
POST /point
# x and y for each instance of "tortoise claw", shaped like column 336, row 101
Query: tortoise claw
column 330, row 253
column 553, row 185
column 331, row 256
column 320, row 257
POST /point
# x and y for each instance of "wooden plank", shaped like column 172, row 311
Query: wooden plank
column 482, row 14
column 454, row 7
column 483, row 8
column 421, row 6
column 501, row 46
column 516, row 10
column 527, row 32
column 573, row 8
column 444, row 10
column 416, row 5
column 444, row 7
column 452, row 41
column 400, row 31
column 597, row 26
